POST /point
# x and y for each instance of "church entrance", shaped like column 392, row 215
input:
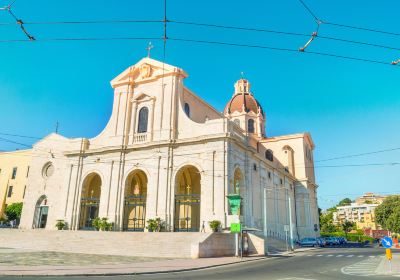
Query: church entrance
column 135, row 201
column 41, row 213
column 90, row 201
column 187, row 199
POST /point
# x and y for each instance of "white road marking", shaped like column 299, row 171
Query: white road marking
column 319, row 255
column 366, row 267
column 329, row 255
column 360, row 256
column 349, row 256
column 339, row 256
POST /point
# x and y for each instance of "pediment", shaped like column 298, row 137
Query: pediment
column 142, row 97
column 146, row 70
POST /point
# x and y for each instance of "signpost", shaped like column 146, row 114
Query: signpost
column 286, row 229
column 387, row 243
column 234, row 201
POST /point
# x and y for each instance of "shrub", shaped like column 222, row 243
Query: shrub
column 214, row 225
column 13, row 211
column 60, row 224
column 155, row 225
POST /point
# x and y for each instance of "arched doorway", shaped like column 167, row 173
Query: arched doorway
column 41, row 213
column 187, row 199
column 90, row 201
column 135, row 201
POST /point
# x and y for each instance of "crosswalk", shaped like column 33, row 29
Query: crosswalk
column 366, row 267
column 340, row 256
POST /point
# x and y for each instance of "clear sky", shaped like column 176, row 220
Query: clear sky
column 349, row 107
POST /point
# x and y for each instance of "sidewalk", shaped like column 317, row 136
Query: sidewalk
column 121, row 269
column 389, row 268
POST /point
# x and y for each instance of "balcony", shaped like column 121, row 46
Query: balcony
column 140, row 137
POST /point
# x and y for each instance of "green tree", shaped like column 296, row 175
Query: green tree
column 347, row 226
column 344, row 202
column 13, row 211
column 388, row 213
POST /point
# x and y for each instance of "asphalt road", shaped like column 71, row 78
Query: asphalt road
column 318, row 264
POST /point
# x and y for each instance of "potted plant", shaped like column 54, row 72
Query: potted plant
column 60, row 225
column 214, row 225
column 155, row 225
column 96, row 223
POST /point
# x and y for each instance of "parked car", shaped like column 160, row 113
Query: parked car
column 342, row 240
column 321, row 241
column 309, row 242
column 332, row 241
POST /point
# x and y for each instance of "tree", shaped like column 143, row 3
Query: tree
column 326, row 221
column 13, row 211
column 388, row 213
column 347, row 226
column 344, row 202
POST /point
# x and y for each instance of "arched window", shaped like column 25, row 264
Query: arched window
column 269, row 155
column 250, row 126
column 187, row 110
column 143, row 120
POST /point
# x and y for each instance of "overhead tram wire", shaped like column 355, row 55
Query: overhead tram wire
column 111, row 21
column 282, row 33
column 280, row 49
column 83, row 39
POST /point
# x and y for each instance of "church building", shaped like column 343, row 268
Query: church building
column 167, row 153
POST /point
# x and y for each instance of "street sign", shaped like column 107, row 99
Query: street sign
column 389, row 254
column 387, row 242
column 235, row 227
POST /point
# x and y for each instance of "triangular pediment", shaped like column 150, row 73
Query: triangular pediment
column 146, row 70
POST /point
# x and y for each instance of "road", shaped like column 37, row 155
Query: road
column 318, row 264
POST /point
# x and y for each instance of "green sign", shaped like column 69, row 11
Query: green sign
column 235, row 227
column 234, row 203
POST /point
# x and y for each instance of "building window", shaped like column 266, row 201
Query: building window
column 14, row 173
column 281, row 181
column 143, row 120
column 187, row 110
column 10, row 191
column 23, row 195
column 255, row 167
column 250, row 126
column 269, row 155
column 269, row 175
column 27, row 172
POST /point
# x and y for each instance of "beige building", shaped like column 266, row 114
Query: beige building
column 167, row 153
column 14, row 171
column 361, row 214
column 370, row 198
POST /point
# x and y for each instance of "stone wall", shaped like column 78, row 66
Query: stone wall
column 143, row 244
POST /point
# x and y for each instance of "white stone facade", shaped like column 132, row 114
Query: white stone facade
column 181, row 146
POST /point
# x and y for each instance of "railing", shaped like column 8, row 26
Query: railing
column 140, row 137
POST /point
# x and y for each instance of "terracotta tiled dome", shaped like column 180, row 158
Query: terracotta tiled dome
column 243, row 100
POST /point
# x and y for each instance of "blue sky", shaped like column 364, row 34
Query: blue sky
column 349, row 107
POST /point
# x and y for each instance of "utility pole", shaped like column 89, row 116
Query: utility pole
column 57, row 127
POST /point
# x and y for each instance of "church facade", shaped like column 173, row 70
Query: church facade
column 166, row 153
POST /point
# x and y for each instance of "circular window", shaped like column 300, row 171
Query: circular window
column 48, row 170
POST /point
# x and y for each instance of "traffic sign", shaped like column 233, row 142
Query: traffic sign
column 387, row 242
column 235, row 227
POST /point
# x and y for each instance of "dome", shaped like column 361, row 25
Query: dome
column 242, row 100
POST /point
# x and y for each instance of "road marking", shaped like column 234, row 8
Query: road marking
column 360, row 256
column 366, row 267
column 319, row 255
column 339, row 256
column 329, row 255
column 349, row 256
column 371, row 256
